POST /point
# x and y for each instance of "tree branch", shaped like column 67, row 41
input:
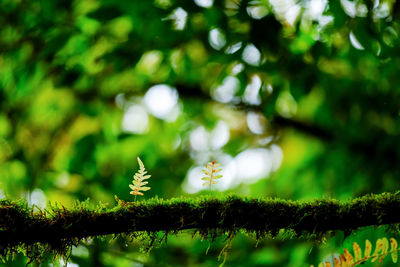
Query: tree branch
column 19, row 225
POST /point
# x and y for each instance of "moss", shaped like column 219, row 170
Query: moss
column 55, row 230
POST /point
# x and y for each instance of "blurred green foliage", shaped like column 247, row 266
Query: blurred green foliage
column 314, row 81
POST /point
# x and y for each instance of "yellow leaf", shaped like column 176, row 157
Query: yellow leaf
column 146, row 177
column 145, row 188
column 336, row 262
column 368, row 249
column 357, row 252
column 378, row 249
column 380, row 252
column 136, row 193
column 393, row 249
column 348, row 256
column 206, row 172
column 385, row 247
column 344, row 261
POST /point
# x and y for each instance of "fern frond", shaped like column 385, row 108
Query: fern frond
column 138, row 181
column 381, row 251
column 211, row 173
column 393, row 249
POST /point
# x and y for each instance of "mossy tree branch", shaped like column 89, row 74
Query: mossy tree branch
column 19, row 225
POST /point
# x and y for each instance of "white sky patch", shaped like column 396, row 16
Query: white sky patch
column 228, row 173
column 253, row 164
column 251, row 55
column 193, row 182
column 354, row 42
column 349, row 7
column 362, row 10
column 38, row 198
column 217, row 39
column 292, row 14
column 315, row 8
column 202, row 140
column 199, row 139
column 226, row 92
column 376, row 3
column 257, row 9
column 238, row 68
column 135, row 120
column 256, row 122
column 69, row 263
column 219, row 135
column 381, row 10
column 286, row 10
column 161, row 100
column 276, row 156
column 204, row 3
column 325, row 20
column 179, row 16
column 251, row 94
column 233, row 48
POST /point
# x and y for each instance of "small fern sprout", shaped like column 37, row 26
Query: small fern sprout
column 211, row 173
column 138, row 182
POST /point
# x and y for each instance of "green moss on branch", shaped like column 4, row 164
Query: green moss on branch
column 19, row 225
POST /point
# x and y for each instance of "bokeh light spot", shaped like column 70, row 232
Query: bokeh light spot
column 204, row 3
column 216, row 39
column 135, row 120
column 251, row 55
column 226, row 92
column 161, row 100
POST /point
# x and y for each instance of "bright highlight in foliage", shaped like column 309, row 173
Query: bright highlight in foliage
column 210, row 173
column 138, row 183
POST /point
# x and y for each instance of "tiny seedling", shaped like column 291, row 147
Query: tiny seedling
column 138, row 181
column 211, row 173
